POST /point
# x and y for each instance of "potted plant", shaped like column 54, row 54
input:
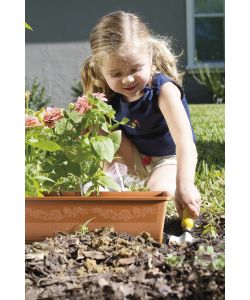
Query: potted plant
column 65, row 152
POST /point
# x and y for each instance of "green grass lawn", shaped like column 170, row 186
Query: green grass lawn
column 208, row 123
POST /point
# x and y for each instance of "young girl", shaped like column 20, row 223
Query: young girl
column 137, row 72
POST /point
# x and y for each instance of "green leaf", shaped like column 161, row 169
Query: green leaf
column 93, row 168
column 59, row 171
column 76, row 154
column 29, row 132
column 219, row 262
column 73, row 168
column 75, row 116
column 103, row 107
column 37, row 187
column 104, row 127
column 45, row 145
column 44, row 178
column 84, row 228
column 28, row 26
column 116, row 137
column 122, row 122
column 210, row 229
column 109, row 183
column 32, row 140
column 61, row 126
column 104, row 147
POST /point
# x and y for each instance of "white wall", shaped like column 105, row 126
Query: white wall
column 56, row 66
column 58, row 44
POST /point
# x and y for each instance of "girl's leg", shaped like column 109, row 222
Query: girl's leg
column 125, row 155
column 163, row 179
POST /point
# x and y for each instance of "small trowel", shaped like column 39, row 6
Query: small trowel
column 187, row 223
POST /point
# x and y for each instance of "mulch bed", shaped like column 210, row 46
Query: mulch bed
column 104, row 264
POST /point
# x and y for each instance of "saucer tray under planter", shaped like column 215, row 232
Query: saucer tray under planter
column 131, row 212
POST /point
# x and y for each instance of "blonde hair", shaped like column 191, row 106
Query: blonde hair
column 113, row 32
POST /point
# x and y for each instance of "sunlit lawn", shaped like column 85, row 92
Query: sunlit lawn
column 208, row 123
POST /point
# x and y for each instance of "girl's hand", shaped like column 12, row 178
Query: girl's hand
column 188, row 196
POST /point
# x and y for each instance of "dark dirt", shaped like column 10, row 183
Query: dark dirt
column 103, row 264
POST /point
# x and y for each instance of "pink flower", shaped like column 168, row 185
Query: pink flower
column 31, row 121
column 82, row 105
column 100, row 96
column 52, row 114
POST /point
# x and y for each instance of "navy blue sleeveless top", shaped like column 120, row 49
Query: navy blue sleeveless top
column 147, row 128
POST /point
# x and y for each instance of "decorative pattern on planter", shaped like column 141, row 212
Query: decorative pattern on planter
column 39, row 214
column 125, row 215
column 66, row 213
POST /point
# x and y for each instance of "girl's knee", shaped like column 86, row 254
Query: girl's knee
column 169, row 189
column 170, row 192
column 163, row 179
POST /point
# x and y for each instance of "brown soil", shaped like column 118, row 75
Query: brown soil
column 103, row 264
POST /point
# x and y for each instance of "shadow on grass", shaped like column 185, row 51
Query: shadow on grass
column 213, row 153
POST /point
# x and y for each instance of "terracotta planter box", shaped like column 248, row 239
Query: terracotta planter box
column 131, row 212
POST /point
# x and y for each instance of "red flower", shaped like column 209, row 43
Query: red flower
column 146, row 160
column 52, row 114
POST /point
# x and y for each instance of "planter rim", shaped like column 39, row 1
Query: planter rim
column 110, row 196
column 75, row 198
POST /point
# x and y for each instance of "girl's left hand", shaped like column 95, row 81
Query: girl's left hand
column 188, row 196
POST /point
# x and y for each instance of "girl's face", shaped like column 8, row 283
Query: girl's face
column 129, row 73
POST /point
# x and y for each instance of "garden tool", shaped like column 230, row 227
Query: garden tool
column 187, row 223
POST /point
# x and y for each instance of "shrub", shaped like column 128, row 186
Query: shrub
column 77, row 89
column 214, row 80
column 38, row 97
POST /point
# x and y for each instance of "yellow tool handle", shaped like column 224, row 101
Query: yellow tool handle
column 187, row 222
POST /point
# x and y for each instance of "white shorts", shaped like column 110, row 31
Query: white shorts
column 145, row 165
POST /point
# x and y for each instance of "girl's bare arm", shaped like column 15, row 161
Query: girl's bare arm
column 174, row 112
